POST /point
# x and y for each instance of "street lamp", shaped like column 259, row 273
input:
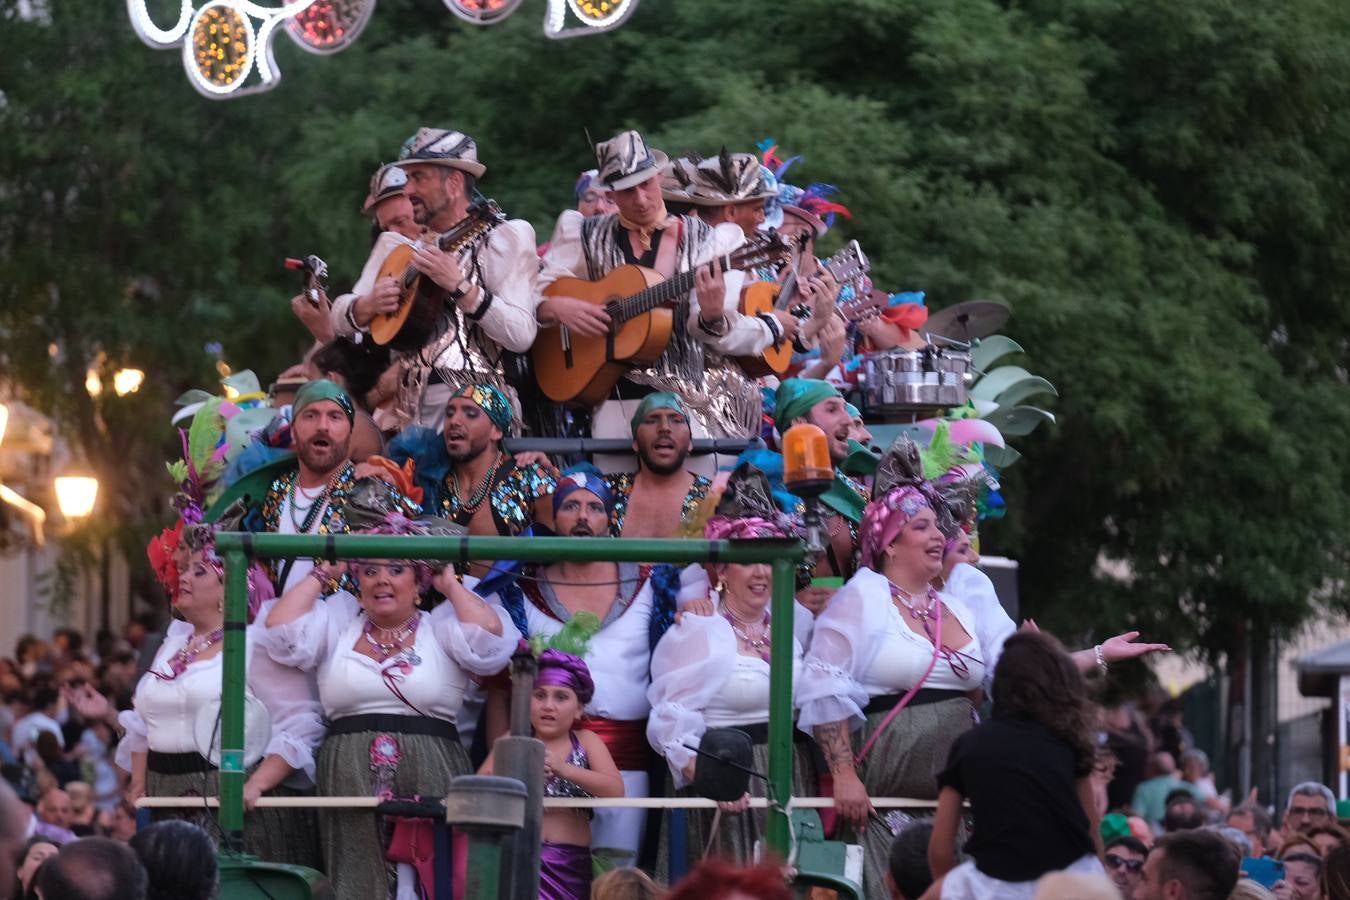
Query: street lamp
column 127, row 381
column 75, row 495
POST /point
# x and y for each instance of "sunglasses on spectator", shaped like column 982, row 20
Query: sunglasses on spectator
column 1116, row 862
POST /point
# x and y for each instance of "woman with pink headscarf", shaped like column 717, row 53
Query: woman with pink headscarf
column 895, row 661
column 712, row 671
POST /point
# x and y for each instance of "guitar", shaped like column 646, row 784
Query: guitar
column 315, row 280
column 641, row 306
column 419, row 311
column 849, row 264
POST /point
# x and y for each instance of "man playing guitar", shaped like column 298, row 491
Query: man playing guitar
column 484, row 291
column 643, row 232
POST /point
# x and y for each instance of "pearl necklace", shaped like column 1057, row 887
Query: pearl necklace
column 394, row 639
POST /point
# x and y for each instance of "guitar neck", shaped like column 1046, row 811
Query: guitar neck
column 673, row 288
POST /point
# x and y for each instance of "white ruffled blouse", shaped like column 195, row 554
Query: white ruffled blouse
column 164, row 712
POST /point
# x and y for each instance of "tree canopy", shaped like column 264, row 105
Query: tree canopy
column 1154, row 187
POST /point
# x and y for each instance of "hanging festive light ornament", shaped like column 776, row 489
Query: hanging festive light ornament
column 482, row 12
column 595, row 16
column 223, row 48
column 219, row 49
column 328, row 26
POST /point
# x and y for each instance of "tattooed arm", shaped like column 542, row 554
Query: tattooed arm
column 850, row 797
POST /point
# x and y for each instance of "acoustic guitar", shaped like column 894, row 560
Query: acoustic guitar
column 849, row 264
column 418, row 311
column 583, row 370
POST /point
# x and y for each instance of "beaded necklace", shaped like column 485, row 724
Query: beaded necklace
column 480, row 494
column 906, row 599
column 188, row 653
column 759, row 644
column 396, row 639
column 312, row 511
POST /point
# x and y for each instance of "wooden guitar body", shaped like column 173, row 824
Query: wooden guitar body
column 584, row 372
column 414, row 322
column 757, row 298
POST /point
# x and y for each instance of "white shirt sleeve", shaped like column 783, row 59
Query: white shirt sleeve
column 135, row 739
column 305, row 643
column 992, row 624
column 746, row 335
column 510, row 267
column 292, row 700
column 337, row 315
column 690, row 664
column 474, row 648
column 566, row 258
column 843, row 643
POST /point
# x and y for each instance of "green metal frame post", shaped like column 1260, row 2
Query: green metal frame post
column 232, row 701
column 779, row 833
column 237, row 548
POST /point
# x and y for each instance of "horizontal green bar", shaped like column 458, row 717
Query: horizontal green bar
column 528, row 549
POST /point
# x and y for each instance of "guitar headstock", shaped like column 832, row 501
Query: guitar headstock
column 849, row 264
column 864, row 306
column 764, row 249
column 315, row 280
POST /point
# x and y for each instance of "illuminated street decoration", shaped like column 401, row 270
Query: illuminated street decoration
column 328, row 26
column 227, row 44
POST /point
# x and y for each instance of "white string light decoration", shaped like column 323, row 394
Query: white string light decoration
column 222, row 47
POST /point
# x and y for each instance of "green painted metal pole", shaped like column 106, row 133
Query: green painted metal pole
column 780, row 704
column 232, row 701
column 535, row 549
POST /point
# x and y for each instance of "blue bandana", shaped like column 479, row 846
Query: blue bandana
column 571, row 482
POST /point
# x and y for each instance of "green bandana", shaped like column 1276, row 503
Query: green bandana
column 860, row 460
column 795, row 398
column 843, row 499
column 322, row 389
column 659, row 400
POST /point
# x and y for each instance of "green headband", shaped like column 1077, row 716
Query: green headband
column 322, row 389
column 795, row 398
column 659, row 400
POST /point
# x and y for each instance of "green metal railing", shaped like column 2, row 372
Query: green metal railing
column 238, row 548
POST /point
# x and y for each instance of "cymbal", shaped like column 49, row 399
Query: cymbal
column 966, row 321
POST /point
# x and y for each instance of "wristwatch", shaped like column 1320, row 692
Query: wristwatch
column 461, row 289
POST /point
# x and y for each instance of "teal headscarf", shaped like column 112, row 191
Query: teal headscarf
column 322, row 389
column 659, row 400
column 795, row 398
column 493, row 402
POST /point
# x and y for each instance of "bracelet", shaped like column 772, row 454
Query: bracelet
column 775, row 329
column 327, row 583
column 714, row 329
column 460, row 290
column 1101, row 660
column 485, row 300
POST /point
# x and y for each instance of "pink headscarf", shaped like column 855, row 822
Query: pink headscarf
column 726, row 528
column 886, row 517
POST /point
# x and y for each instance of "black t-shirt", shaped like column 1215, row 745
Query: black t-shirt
column 1021, row 783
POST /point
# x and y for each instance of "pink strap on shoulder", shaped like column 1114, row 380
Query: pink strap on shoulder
column 909, row 694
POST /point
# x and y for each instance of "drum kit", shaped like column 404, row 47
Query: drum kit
column 913, row 384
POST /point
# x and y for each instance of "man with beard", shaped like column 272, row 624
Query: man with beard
column 820, row 403
column 484, row 291
column 653, row 501
column 634, row 605
column 464, row 474
column 309, row 499
column 644, row 233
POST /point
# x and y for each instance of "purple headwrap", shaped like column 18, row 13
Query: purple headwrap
column 571, row 482
column 886, row 517
column 725, row 528
column 556, row 667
